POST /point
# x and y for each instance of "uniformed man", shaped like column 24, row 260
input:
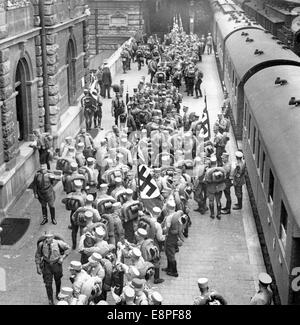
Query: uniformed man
column 209, row 43
column 220, row 142
column 100, row 245
column 43, row 142
column 140, row 296
column 68, row 180
column 215, row 178
column 49, row 257
column 92, row 177
column 155, row 298
column 264, row 294
column 117, row 108
column 228, row 182
column 89, row 106
column 239, row 170
column 66, row 295
column 190, row 79
column 79, row 155
column 200, row 187
column 43, row 190
column 119, row 233
column 80, row 217
column 78, row 278
column 208, row 297
column 173, row 228
column 95, row 269
column 222, row 124
column 88, row 142
column 75, row 199
column 152, row 65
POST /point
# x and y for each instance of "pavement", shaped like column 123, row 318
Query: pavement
column 226, row 251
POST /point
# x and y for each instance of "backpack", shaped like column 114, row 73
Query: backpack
column 64, row 165
column 88, row 102
column 150, row 251
column 40, row 242
column 147, row 224
column 216, row 175
column 73, row 203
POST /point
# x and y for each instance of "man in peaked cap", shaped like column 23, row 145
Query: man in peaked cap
column 43, row 189
column 264, row 294
column 66, row 295
column 228, row 182
column 78, row 277
column 140, row 296
column 156, row 298
column 215, row 178
column 208, row 297
column 238, row 171
column 49, row 257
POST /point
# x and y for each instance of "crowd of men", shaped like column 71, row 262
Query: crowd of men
column 124, row 227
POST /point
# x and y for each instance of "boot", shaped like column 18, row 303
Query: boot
column 50, row 294
column 173, row 271
column 58, row 285
column 74, row 239
column 157, row 280
column 239, row 205
column 167, row 269
column 212, row 211
column 52, row 212
column 225, row 211
column 45, row 216
column 219, row 211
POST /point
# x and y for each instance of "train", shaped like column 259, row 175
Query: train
column 262, row 78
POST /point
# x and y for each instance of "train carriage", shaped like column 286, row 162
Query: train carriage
column 271, row 141
column 247, row 52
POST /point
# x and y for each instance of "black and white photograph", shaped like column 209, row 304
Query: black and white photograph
column 148, row 154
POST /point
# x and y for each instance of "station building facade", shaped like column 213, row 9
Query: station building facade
column 44, row 66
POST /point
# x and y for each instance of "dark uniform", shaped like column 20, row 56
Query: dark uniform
column 264, row 295
column 43, row 190
column 190, row 80
column 48, row 258
column 118, row 108
column 89, row 105
column 239, row 171
column 215, row 178
column 228, row 182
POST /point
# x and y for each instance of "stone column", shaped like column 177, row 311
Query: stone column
column 7, row 96
column 52, row 66
column 86, row 60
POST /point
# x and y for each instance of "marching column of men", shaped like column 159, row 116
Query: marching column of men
column 129, row 198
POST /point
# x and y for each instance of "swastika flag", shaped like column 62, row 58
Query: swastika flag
column 93, row 89
column 147, row 185
column 205, row 127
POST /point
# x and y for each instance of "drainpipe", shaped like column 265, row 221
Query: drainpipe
column 45, row 68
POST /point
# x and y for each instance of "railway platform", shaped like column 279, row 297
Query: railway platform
column 226, row 251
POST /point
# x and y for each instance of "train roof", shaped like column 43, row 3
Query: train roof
column 278, row 124
column 242, row 52
column 226, row 24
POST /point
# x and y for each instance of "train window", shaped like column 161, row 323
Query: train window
column 283, row 224
column 271, row 187
column 254, row 140
column 258, row 152
column 249, row 126
column 263, row 167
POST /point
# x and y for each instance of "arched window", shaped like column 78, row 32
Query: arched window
column 71, row 73
column 22, row 99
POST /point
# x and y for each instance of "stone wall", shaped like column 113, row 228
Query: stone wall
column 113, row 22
column 65, row 21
